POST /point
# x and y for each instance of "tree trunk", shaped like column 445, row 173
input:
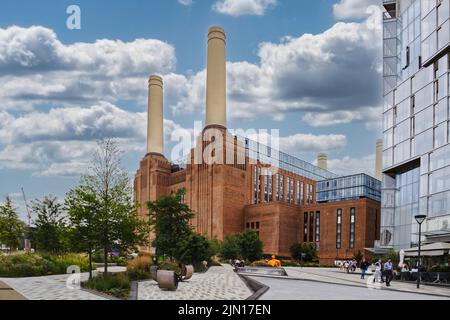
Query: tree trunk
column 106, row 262
column 90, row 264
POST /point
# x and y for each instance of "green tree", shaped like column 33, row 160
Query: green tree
column 82, row 208
column 359, row 257
column 169, row 220
column 230, row 248
column 305, row 252
column 250, row 245
column 215, row 246
column 11, row 227
column 194, row 249
column 50, row 226
column 106, row 192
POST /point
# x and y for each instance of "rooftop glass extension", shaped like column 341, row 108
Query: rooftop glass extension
column 349, row 187
column 278, row 159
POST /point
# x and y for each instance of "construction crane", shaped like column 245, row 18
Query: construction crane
column 27, row 241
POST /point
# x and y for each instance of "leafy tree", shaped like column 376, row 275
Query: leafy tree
column 303, row 252
column 11, row 227
column 230, row 248
column 215, row 246
column 250, row 245
column 169, row 219
column 50, row 226
column 359, row 257
column 102, row 205
column 82, row 208
column 194, row 249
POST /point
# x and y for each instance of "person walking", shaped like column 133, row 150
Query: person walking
column 377, row 277
column 364, row 267
column 346, row 266
column 388, row 272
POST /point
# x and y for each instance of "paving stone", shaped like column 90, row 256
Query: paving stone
column 219, row 283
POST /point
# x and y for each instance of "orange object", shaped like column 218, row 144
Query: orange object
column 274, row 263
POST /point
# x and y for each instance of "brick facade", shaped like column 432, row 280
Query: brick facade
column 225, row 202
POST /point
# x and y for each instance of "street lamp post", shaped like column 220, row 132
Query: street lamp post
column 420, row 219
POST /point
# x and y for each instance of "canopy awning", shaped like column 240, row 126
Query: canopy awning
column 435, row 253
column 429, row 250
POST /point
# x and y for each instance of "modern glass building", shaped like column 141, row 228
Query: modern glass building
column 348, row 188
column 416, row 126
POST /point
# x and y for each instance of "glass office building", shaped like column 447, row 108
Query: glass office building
column 348, row 188
column 416, row 126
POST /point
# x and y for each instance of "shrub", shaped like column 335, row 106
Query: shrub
column 171, row 266
column 250, row 245
column 62, row 262
column 303, row 252
column 259, row 263
column 25, row 265
column 215, row 246
column 121, row 261
column 230, row 248
column 193, row 249
column 34, row 265
column 139, row 268
column 289, row 263
column 117, row 285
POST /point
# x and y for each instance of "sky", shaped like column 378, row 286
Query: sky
column 311, row 69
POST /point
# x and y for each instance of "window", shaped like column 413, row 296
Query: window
column 266, row 188
column 305, row 227
column 352, row 228
column 288, row 189
column 318, row 226
column 311, row 226
column 277, row 187
column 298, row 192
column 183, row 197
column 307, row 193
column 302, row 194
column 339, row 229
column 255, row 184
column 254, row 226
column 292, row 191
column 270, row 178
column 281, row 187
column 258, row 175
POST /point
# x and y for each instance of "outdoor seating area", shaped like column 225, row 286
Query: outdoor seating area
column 434, row 264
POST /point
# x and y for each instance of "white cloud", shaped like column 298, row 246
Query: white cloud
column 354, row 9
column 371, row 116
column 36, row 67
column 304, row 143
column 353, row 165
column 185, row 2
column 60, row 142
column 334, row 77
column 238, row 8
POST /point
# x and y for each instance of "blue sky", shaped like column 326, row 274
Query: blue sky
column 309, row 68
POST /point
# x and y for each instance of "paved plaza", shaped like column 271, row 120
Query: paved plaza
column 336, row 276
column 219, row 283
column 284, row 289
column 222, row 283
column 52, row 287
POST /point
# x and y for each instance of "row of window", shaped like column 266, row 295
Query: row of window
column 253, row 226
column 277, row 187
column 311, row 227
column 339, row 228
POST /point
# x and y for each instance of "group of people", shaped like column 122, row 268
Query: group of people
column 349, row 266
column 384, row 272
